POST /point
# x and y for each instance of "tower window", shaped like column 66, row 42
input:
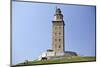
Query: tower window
column 55, row 39
column 59, row 33
column 59, row 39
column 59, row 46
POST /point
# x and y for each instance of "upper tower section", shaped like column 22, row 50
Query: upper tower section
column 58, row 15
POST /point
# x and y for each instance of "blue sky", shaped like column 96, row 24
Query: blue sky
column 32, row 29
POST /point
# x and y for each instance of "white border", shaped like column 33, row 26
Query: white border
column 5, row 33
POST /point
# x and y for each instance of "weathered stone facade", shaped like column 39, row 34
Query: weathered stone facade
column 58, row 32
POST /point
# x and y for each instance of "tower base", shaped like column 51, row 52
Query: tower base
column 51, row 55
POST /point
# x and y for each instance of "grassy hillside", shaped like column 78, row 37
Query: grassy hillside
column 60, row 60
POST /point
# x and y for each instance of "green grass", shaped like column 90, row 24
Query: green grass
column 61, row 60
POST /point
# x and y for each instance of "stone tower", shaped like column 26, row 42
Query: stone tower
column 58, row 32
column 58, row 48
